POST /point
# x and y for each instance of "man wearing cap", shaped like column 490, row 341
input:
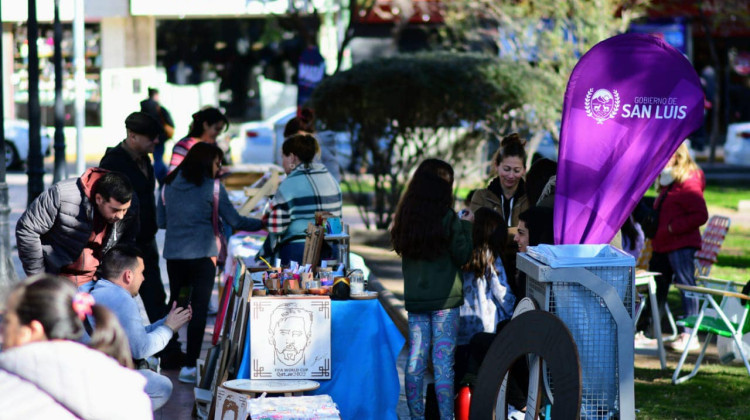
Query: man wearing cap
column 130, row 158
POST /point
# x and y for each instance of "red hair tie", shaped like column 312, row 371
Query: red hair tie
column 82, row 303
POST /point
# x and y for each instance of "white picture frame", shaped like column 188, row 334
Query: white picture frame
column 290, row 338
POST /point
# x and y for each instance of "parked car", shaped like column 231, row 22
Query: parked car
column 737, row 146
column 263, row 139
column 17, row 142
column 260, row 141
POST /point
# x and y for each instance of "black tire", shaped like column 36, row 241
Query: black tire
column 11, row 156
column 540, row 333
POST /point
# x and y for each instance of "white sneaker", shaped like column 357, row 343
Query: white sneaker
column 188, row 375
column 515, row 414
column 681, row 342
column 643, row 342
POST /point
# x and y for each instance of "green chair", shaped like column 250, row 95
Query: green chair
column 714, row 323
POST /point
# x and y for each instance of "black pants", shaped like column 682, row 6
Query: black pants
column 199, row 274
column 152, row 290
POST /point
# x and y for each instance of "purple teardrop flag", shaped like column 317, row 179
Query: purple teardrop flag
column 630, row 101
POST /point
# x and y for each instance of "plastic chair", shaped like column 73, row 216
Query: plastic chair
column 718, row 324
column 713, row 238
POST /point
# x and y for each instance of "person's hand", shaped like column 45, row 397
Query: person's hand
column 178, row 316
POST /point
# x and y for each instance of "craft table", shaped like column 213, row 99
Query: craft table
column 364, row 346
column 648, row 279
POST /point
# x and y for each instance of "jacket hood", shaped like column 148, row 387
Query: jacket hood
column 85, row 381
column 89, row 179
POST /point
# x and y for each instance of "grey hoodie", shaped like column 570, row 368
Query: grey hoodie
column 185, row 211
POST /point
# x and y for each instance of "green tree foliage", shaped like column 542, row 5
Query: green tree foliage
column 407, row 107
column 546, row 35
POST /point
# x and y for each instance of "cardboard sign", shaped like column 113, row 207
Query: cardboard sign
column 290, row 338
column 230, row 405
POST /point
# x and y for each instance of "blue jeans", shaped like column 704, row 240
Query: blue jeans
column 158, row 388
column 677, row 266
column 437, row 330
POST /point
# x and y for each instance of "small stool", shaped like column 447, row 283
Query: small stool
column 253, row 387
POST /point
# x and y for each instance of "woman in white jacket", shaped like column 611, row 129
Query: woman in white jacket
column 46, row 373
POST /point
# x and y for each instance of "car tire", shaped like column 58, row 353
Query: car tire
column 11, row 156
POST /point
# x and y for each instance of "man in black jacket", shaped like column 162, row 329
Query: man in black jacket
column 130, row 158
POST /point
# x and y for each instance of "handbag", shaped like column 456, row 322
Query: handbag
column 221, row 240
column 648, row 216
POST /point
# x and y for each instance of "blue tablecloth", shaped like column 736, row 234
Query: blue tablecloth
column 364, row 345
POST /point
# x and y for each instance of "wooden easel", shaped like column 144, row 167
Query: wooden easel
column 255, row 193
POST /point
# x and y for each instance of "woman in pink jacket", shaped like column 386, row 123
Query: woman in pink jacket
column 682, row 212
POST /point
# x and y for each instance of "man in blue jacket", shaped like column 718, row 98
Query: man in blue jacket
column 122, row 275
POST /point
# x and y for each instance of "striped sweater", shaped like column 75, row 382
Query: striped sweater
column 180, row 150
column 300, row 195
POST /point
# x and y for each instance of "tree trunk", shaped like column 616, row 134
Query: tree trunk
column 713, row 141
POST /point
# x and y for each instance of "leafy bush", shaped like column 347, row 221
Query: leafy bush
column 407, row 107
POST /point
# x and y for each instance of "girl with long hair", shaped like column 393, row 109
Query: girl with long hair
column 45, row 366
column 433, row 244
column 488, row 298
column 185, row 209
column 206, row 126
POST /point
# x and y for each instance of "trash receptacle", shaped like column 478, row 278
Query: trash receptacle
column 590, row 288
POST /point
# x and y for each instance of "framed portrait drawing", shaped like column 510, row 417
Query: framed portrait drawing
column 230, row 405
column 290, row 338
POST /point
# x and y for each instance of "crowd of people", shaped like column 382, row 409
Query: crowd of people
column 88, row 245
column 89, row 248
column 460, row 279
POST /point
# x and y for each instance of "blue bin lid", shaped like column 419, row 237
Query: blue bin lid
column 587, row 255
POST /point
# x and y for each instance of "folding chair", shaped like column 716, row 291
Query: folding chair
column 718, row 324
column 713, row 238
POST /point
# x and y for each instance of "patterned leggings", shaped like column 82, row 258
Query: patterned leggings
column 438, row 330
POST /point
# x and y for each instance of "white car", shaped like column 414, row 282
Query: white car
column 17, row 142
column 737, row 146
column 263, row 139
column 260, row 141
